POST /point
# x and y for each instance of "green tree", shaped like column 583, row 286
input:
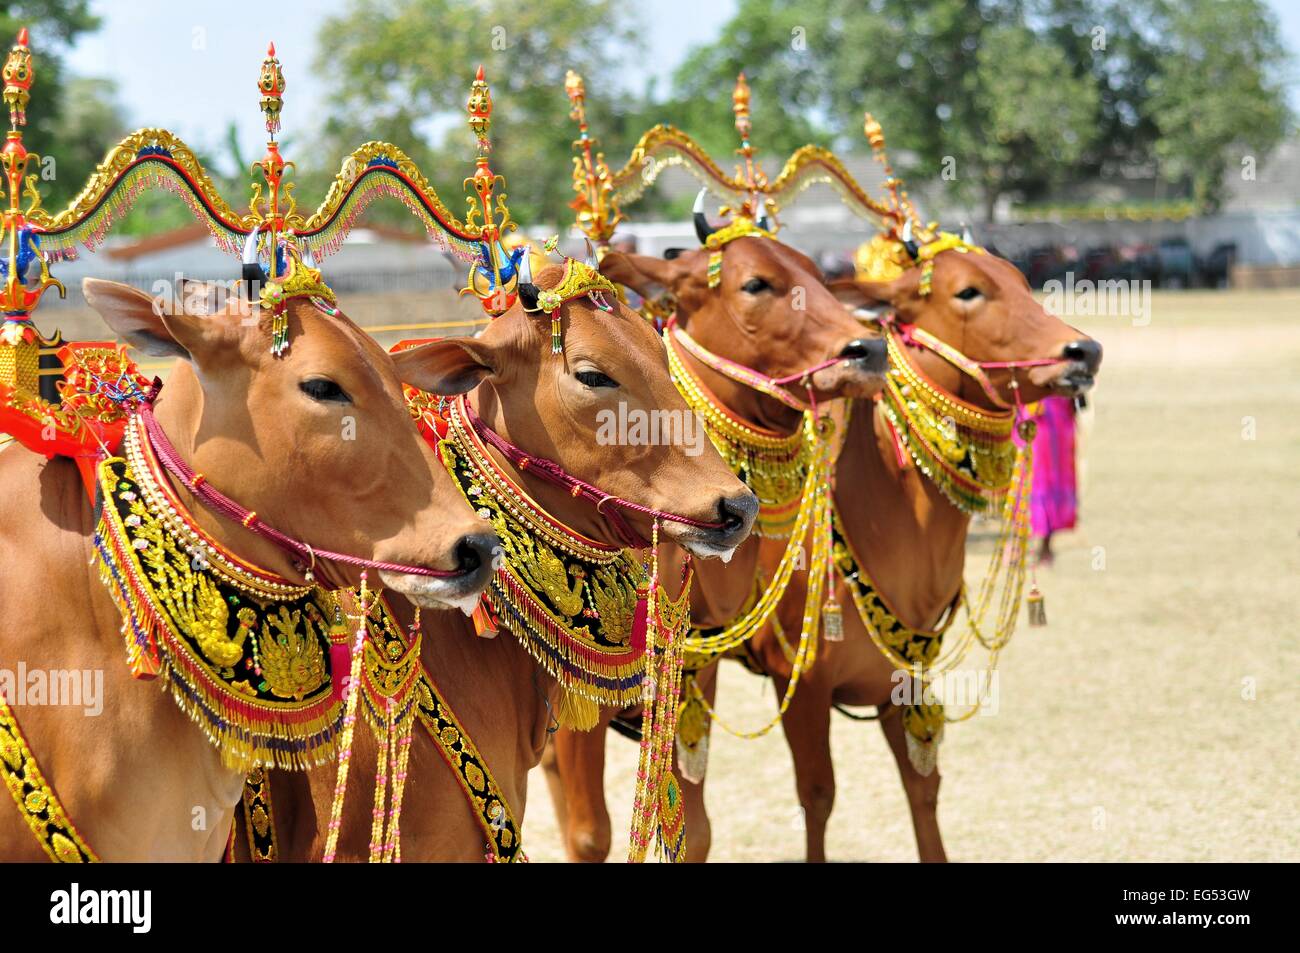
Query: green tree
column 1219, row 93
column 404, row 69
column 54, row 26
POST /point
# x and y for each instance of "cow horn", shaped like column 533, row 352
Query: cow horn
column 525, row 268
column 590, row 260
column 308, row 258
column 966, row 235
column 702, row 227
column 252, row 269
column 763, row 221
column 908, row 243
column 250, row 247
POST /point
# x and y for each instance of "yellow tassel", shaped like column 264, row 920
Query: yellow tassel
column 1037, row 610
column 576, row 711
column 832, row 621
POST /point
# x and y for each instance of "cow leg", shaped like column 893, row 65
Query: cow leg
column 699, row 831
column 922, row 790
column 807, row 725
column 575, row 770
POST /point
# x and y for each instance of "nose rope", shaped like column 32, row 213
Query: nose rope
column 223, row 505
column 773, row 387
column 553, row 473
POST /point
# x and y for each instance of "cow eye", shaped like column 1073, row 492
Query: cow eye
column 968, row 294
column 755, row 286
column 595, row 379
column 324, row 390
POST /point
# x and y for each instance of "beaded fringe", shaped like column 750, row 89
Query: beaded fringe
column 246, row 736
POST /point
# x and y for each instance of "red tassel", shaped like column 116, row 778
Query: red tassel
column 640, row 620
column 340, row 668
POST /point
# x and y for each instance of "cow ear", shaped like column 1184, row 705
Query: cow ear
column 148, row 324
column 646, row 275
column 449, row 366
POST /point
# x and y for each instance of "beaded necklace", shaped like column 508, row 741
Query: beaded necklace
column 968, row 453
column 971, row 456
column 773, row 461
column 245, row 653
column 773, row 465
column 577, row 606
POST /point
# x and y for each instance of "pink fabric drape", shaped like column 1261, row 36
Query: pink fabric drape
column 1054, row 503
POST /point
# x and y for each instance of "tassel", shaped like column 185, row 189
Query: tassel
column 832, row 621
column 693, row 760
column 576, row 711
column 556, row 344
column 640, row 620
column 672, row 821
column 1037, row 610
column 340, row 654
column 485, row 621
column 280, row 332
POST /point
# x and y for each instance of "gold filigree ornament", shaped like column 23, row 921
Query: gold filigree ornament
column 245, row 653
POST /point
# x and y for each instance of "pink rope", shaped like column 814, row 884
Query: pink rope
column 223, row 505
column 773, row 387
column 552, row 472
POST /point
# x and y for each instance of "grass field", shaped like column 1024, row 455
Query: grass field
column 1155, row 718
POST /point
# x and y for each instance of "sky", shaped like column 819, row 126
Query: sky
column 192, row 67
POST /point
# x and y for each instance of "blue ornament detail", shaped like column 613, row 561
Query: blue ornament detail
column 29, row 244
column 153, row 151
column 509, row 263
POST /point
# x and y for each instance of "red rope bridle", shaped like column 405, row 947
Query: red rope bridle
column 223, row 505
column 607, row 504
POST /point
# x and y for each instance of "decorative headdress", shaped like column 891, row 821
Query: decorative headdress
column 749, row 218
column 23, row 268
column 581, row 279
column 904, row 241
column 597, row 212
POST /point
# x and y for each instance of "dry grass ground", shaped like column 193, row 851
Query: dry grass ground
column 1156, row 717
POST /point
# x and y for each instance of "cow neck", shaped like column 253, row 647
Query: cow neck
column 178, row 410
column 772, row 463
column 245, row 652
column 576, row 604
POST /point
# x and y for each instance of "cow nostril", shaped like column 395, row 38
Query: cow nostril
column 1085, row 350
column 737, row 512
column 856, row 350
column 473, row 552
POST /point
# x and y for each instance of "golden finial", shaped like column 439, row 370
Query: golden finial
column 494, row 277
column 753, row 206
column 597, row 214
column 896, row 194
column 270, row 82
column 24, row 267
column 18, row 76
column 740, row 106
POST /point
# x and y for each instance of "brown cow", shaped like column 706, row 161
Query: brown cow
column 548, row 405
column 771, row 313
column 911, row 538
column 983, row 303
column 142, row 782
